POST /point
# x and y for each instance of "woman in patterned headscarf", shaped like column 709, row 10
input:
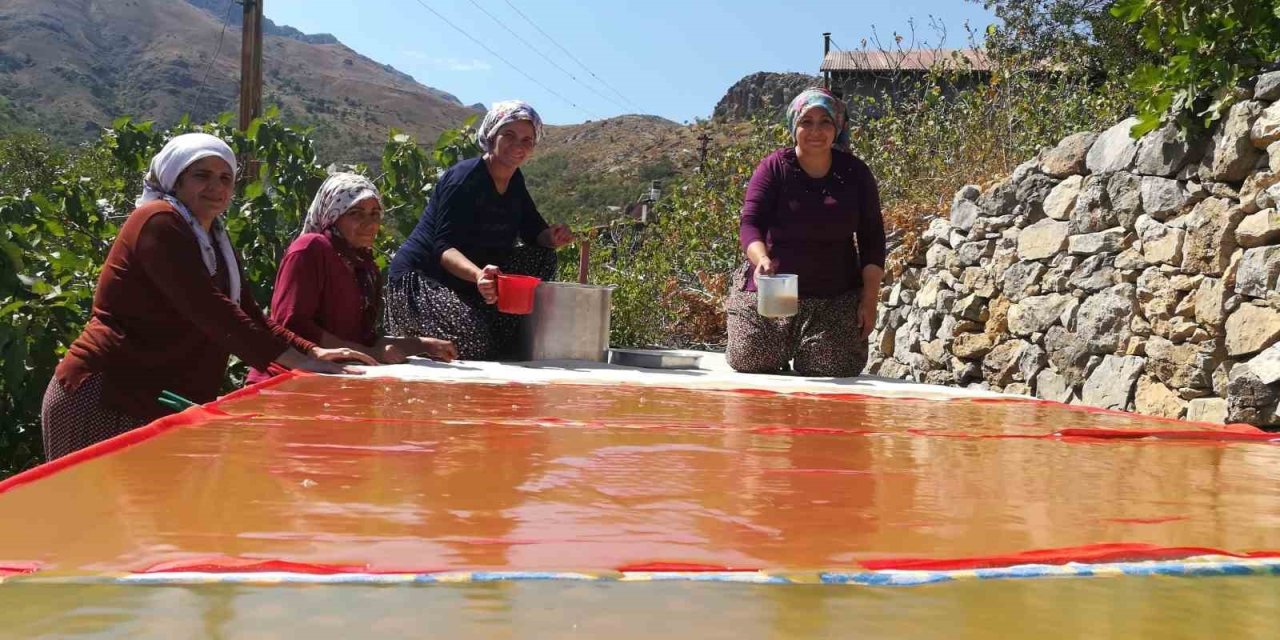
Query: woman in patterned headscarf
column 169, row 309
column 443, row 280
column 329, row 290
column 811, row 209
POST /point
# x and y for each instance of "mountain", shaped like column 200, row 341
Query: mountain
column 70, row 67
column 764, row 93
column 579, row 171
column 233, row 14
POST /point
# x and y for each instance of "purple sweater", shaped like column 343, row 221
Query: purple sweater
column 809, row 224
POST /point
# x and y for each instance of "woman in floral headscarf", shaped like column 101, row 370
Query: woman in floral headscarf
column 811, row 209
column 329, row 290
column 169, row 309
column 443, row 280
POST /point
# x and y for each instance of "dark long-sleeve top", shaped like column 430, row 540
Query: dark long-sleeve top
column 809, row 224
column 467, row 213
column 161, row 322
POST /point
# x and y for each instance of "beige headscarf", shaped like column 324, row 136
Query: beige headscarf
column 158, row 183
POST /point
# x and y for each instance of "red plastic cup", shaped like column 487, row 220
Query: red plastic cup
column 515, row 293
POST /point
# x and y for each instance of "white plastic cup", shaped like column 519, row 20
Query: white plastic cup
column 778, row 296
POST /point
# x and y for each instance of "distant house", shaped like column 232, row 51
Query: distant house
column 878, row 74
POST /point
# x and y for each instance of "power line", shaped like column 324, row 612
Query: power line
column 226, row 18
column 504, row 60
column 571, row 56
column 544, row 56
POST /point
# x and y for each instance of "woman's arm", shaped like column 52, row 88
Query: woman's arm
column 460, row 266
column 166, row 252
column 869, row 299
column 757, row 211
column 392, row 350
column 295, row 302
column 871, row 250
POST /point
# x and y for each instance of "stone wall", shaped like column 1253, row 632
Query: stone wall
column 1135, row 275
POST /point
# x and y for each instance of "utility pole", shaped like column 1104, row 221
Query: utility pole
column 251, row 63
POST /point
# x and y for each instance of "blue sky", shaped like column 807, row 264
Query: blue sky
column 669, row 58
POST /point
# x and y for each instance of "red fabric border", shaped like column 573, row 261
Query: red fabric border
column 189, row 416
column 1257, row 435
column 1088, row 554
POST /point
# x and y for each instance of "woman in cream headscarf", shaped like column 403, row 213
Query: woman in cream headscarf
column 169, row 309
column 443, row 280
column 329, row 289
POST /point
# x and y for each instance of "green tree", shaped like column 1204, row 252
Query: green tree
column 1205, row 50
column 60, row 211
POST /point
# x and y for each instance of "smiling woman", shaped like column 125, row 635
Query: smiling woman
column 169, row 308
column 444, row 279
column 813, row 211
column 329, row 290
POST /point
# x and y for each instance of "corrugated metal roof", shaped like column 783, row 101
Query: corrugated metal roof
column 906, row 60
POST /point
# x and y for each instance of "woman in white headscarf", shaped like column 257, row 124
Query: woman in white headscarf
column 443, row 280
column 169, row 309
column 329, row 290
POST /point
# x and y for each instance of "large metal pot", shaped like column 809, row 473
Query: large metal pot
column 569, row 322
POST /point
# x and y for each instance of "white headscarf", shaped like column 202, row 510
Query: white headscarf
column 180, row 153
column 340, row 192
column 505, row 112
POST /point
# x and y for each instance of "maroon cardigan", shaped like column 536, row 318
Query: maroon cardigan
column 161, row 322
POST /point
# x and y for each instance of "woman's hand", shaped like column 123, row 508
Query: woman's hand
column 487, row 283
column 437, row 349
column 398, row 350
column 764, row 267
column 343, row 355
column 555, row 236
column 868, row 304
column 294, row 359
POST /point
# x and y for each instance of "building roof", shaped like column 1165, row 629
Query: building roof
column 907, row 60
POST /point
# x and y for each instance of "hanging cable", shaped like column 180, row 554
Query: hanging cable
column 226, row 18
column 544, row 56
column 572, row 57
column 504, row 60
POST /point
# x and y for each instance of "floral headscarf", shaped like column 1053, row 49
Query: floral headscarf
column 340, row 192
column 818, row 97
column 158, row 184
column 506, row 112
column 336, row 196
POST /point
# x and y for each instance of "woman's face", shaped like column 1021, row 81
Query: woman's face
column 513, row 144
column 815, row 130
column 360, row 224
column 205, row 187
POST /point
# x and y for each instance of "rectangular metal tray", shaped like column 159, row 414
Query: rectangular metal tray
column 655, row 358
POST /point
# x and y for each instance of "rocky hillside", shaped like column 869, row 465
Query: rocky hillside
column 582, row 170
column 762, row 93
column 1132, row 275
column 68, row 67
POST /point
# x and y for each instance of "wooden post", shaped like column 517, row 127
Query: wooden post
column 251, row 63
column 250, row 79
column 584, row 257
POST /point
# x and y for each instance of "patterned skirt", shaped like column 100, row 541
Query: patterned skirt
column 73, row 420
column 822, row 338
column 419, row 305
